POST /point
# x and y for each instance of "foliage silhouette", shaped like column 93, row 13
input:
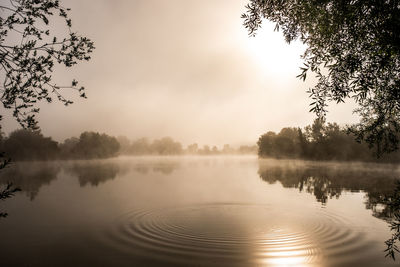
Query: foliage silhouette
column 29, row 50
column 26, row 144
column 28, row 53
column 90, row 145
column 7, row 192
column 319, row 141
column 392, row 206
column 166, row 146
column 30, row 177
column 353, row 48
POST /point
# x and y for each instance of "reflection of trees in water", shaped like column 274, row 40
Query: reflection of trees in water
column 165, row 168
column 387, row 207
column 29, row 177
column 326, row 181
column 329, row 180
column 98, row 172
column 305, row 179
column 141, row 168
column 391, row 208
column 93, row 173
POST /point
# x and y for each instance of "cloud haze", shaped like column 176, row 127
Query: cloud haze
column 185, row 69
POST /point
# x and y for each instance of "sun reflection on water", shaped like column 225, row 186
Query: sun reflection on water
column 283, row 248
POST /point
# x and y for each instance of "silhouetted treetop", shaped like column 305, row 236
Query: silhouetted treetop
column 25, row 144
column 29, row 50
column 319, row 141
column 353, row 48
column 96, row 145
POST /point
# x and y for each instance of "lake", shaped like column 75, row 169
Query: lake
column 196, row 211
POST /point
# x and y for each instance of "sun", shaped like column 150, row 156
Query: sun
column 272, row 55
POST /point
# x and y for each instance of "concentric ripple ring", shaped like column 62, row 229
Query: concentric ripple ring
column 229, row 233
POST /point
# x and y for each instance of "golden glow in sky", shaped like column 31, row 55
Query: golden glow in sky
column 184, row 69
column 272, row 54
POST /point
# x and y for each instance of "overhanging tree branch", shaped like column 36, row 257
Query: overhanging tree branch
column 28, row 53
column 357, row 43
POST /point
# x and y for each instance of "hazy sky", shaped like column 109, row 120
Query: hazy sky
column 180, row 68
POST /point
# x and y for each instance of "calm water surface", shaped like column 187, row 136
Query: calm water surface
column 196, row 211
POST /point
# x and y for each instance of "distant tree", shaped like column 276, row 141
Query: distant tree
column 215, row 150
column 124, row 144
column 266, row 145
column 192, row 149
column 328, row 141
column 94, row 145
column 319, row 141
column 140, row 147
column 288, row 142
column 303, row 144
column 25, row 144
column 285, row 144
column 227, row 149
column 353, row 48
column 206, row 150
column 315, row 133
column 166, row 146
column 248, row 149
column 68, row 146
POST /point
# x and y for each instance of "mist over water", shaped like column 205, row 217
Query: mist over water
column 196, row 211
column 155, row 162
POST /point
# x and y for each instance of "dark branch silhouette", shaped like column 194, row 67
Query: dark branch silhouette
column 353, row 49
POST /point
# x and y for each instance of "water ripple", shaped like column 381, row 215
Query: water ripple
column 237, row 234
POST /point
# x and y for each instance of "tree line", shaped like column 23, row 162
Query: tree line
column 167, row 146
column 319, row 141
column 26, row 144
